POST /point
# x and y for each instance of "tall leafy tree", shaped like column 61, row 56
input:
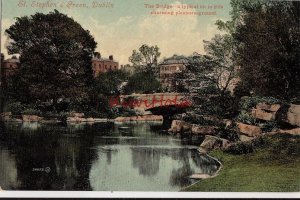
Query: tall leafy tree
column 269, row 47
column 146, row 56
column 55, row 55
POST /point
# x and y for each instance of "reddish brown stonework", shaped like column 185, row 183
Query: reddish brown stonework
column 102, row 65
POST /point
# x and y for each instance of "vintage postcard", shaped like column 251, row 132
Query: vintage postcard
column 173, row 96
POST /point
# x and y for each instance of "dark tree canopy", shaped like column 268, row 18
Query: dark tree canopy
column 268, row 35
column 55, row 55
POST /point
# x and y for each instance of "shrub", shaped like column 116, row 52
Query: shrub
column 228, row 134
column 246, row 118
column 31, row 111
column 241, row 148
column 15, row 107
column 250, row 102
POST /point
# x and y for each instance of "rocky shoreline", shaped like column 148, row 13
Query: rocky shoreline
column 76, row 118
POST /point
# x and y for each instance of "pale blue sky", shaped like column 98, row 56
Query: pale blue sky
column 128, row 24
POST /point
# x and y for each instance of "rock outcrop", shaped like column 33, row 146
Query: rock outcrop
column 212, row 142
column 203, row 130
column 293, row 115
column 6, row 116
column 265, row 111
column 31, row 118
column 249, row 130
column 180, row 126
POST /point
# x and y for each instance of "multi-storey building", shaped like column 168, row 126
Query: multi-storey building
column 102, row 65
column 169, row 68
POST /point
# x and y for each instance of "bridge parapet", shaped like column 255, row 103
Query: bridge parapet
column 149, row 101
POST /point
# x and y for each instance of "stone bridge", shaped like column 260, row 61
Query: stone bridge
column 157, row 103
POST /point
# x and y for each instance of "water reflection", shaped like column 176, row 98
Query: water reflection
column 96, row 157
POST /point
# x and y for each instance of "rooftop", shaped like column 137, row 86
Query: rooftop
column 175, row 60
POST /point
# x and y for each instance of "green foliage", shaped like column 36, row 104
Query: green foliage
column 55, row 55
column 108, row 83
column 269, row 126
column 142, row 82
column 146, row 56
column 31, row 111
column 246, row 118
column 269, row 47
column 228, row 134
column 248, row 103
column 15, row 107
column 241, row 148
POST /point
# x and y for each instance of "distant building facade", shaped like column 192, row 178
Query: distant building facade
column 101, row 65
column 169, row 69
column 9, row 66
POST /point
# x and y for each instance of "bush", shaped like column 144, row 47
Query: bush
column 241, row 148
column 250, row 102
column 15, row 107
column 31, row 111
column 246, row 118
column 228, row 134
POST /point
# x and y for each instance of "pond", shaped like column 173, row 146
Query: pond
column 98, row 157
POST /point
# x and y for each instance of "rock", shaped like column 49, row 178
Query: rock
column 203, row 130
column 90, row 119
column 293, row 115
column 244, row 138
column 78, row 115
column 268, row 107
column 31, row 118
column 212, row 142
column 101, row 120
column 295, row 131
column 6, row 116
column 180, row 126
column 261, row 114
column 228, row 123
column 76, row 119
column 200, row 176
column 249, row 130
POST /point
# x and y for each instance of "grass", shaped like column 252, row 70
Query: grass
column 274, row 166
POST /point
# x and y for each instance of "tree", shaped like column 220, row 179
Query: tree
column 55, row 56
column 269, row 48
column 142, row 82
column 146, row 56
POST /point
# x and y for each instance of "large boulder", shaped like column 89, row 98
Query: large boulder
column 268, row 107
column 293, row 115
column 76, row 119
column 78, row 115
column 249, row 130
column 180, row 126
column 6, row 116
column 264, row 115
column 203, row 130
column 31, row 118
column 265, row 111
column 212, row 142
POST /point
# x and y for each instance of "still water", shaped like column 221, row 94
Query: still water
column 100, row 157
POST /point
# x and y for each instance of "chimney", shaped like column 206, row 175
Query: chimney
column 111, row 57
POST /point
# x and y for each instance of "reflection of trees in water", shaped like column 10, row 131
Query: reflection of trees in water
column 68, row 158
column 179, row 177
column 146, row 159
column 207, row 164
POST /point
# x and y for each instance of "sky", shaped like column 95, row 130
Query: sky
column 127, row 24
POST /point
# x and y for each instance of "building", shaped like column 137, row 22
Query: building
column 9, row 66
column 169, row 69
column 101, row 65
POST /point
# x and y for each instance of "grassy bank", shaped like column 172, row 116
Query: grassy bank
column 272, row 167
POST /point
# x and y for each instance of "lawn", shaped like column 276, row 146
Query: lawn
column 274, row 166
